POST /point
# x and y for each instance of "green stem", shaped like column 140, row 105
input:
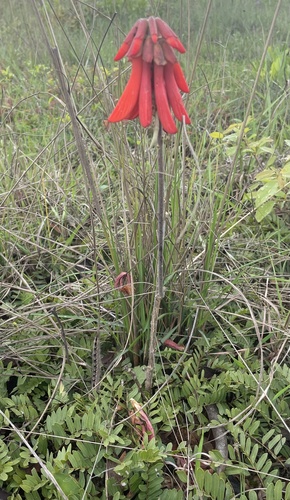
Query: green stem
column 160, row 214
column 159, row 282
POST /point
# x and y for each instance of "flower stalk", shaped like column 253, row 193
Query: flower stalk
column 153, row 91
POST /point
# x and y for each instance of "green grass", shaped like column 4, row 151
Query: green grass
column 64, row 240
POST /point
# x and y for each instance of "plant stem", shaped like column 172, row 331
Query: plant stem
column 159, row 282
column 152, row 344
column 160, row 214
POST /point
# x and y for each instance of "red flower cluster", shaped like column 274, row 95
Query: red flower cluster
column 156, row 78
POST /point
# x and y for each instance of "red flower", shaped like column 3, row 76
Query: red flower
column 139, row 418
column 156, row 78
column 173, row 345
column 123, row 283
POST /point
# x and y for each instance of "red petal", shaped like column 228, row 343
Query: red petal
column 169, row 35
column 134, row 113
column 176, row 44
column 161, row 100
column 129, row 98
column 135, row 48
column 153, row 29
column 174, row 97
column 127, row 42
column 122, row 51
column 140, row 34
column 145, row 96
column 180, row 78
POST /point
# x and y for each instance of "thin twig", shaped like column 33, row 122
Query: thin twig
column 62, row 333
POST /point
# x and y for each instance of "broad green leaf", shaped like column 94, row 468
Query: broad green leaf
column 281, row 392
column 68, row 484
column 266, row 175
column 182, row 476
column 252, row 495
column 285, row 171
column 254, row 453
column 287, row 492
column 278, row 490
column 276, row 66
column 270, row 492
column 266, row 192
column 268, row 435
column 264, row 210
column 261, row 461
column 199, row 475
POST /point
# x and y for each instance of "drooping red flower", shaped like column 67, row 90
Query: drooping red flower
column 123, row 283
column 141, row 419
column 156, row 79
column 173, row 345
